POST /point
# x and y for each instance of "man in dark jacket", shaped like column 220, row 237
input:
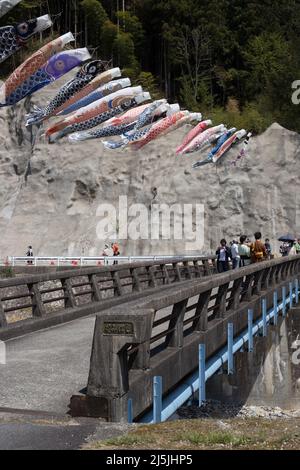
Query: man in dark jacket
column 223, row 253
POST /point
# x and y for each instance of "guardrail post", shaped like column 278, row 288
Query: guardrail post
column 3, row 321
column 165, row 273
column 118, row 288
column 250, row 330
column 157, row 399
column 220, row 309
column 230, row 348
column 202, row 390
column 283, row 301
column 174, row 339
column 275, row 307
column 264, row 314
column 96, row 294
column 152, row 281
column 130, row 411
column 247, row 294
column 296, row 291
column 177, row 272
column 70, row 300
column 136, row 285
column 200, row 323
column 291, row 294
column 187, row 268
column 235, row 294
column 38, row 308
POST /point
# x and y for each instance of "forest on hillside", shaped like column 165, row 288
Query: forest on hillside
column 235, row 61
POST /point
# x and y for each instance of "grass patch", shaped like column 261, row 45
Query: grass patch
column 131, row 439
column 215, row 438
column 235, row 433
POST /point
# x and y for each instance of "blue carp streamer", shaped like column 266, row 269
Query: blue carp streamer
column 14, row 37
column 82, row 78
column 55, row 68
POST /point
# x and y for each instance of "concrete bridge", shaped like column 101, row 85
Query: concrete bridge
column 150, row 319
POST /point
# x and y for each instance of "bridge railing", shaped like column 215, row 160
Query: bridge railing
column 81, row 261
column 160, row 335
column 45, row 296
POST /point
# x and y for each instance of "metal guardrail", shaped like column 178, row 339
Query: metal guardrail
column 160, row 335
column 37, row 301
column 82, row 261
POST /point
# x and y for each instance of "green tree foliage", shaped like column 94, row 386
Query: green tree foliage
column 206, row 54
column 95, row 18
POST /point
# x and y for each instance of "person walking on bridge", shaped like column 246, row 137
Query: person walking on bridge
column 30, row 254
column 258, row 249
column 223, row 253
column 244, row 252
column 235, row 256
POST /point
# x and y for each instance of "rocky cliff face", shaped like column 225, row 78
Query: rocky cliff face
column 50, row 194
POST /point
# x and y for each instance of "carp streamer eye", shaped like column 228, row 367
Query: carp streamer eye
column 59, row 65
column 23, row 28
column 92, row 69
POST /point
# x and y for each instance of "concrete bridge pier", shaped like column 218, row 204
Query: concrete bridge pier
column 270, row 375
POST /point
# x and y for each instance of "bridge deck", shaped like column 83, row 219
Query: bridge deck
column 45, row 368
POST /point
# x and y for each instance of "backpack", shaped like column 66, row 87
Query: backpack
column 257, row 250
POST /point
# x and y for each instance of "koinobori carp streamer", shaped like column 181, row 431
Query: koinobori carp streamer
column 144, row 118
column 202, row 126
column 229, row 142
column 7, row 5
column 56, row 67
column 204, row 138
column 137, row 134
column 98, row 112
column 14, row 37
column 32, row 64
column 243, row 151
column 164, row 126
column 123, row 106
column 102, row 91
column 83, row 77
column 220, row 141
column 94, row 109
column 130, row 116
column 98, row 81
